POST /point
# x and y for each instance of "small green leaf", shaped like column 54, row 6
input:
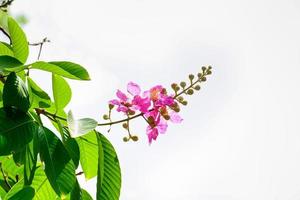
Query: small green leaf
column 40, row 99
column 80, row 127
column 59, row 167
column 61, row 92
column 15, row 133
column 63, row 68
column 88, row 154
column 15, row 94
column 109, row 172
column 18, row 40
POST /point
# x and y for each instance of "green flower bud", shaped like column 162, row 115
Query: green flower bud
column 203, row 68
column 125, row 139
column 191, row 77
column 199, row 75
column 174, row 85
column 183, row 84
column 135, row 138
column 197, row 87
column 105, row 117
column 131, row 112
column 111, row 106
column 125, row 125
column 184, row 103
column 190, row 92
column 203, row 79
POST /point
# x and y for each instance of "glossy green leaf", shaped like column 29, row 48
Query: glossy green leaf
column 5, row 50
column 28, row 158
column 88, row 154
column 80, row 127
column 15, row 132
column 59, row 166
column 18, row 40
column 63, row 68
column 61, row 92
column 43, row 189
column 11, row 170
column 15, row 94
column 2, row 192
column 39, row 98
column 109, row 172
column 17, row 193
column 7, row 62
column 79, row 194
column 73, row 149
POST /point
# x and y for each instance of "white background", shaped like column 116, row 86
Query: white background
column 240, row 139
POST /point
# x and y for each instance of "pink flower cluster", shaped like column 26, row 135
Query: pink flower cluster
column 155, row 104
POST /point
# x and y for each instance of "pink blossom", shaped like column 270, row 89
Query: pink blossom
column 155, row 104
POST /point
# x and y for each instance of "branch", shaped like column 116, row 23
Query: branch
column 41, row 46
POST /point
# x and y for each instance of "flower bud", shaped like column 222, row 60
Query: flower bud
column 125, row 125
column 190, row 92
column 105, row 117
column 166, row 117
column 131, row 112
column 125, row 139
column 209, row 67
column 191, row 77
column 197, row 87
column 180, row 98
column 208, row 72
column 111, row 106
column 173, row 86
column 203, row 68
column 203, row 79
column 184, row 103
column 199, row 75
column 134, row 138
column 183, row 84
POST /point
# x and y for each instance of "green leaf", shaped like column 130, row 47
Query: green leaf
column 25, row 193
column 10, row 169
column 40, row 99
column 15, row 133
column 88, row 154
column 18, row 40
column 80, row 127
column 15, row 94
column 63, row 68
column 2, row 192
column 5, row 50
column 28, row 158
column 59, row 166
column 61, row 92
column 7, row 62
column 73, row 149
column 43, row 189
column 79, row 194
column 109, row 172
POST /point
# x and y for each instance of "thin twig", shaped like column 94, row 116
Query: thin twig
column 40, row 44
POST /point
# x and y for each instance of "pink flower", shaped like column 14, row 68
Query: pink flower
column 155, row 104
column 126, row 104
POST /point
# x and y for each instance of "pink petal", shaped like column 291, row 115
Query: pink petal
column 175, row 118
column 123, row 109
column 152, row 134
column 122, row 96
column 114, row 102
column 162, row 126
column 141, row 104
column 133, row 88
